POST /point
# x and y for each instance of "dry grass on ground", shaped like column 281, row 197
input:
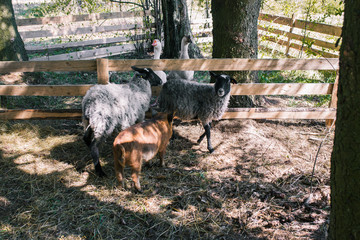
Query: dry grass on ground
column 252, row 187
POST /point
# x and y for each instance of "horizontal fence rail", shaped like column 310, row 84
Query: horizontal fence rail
column 223, row 64
column 103, row 66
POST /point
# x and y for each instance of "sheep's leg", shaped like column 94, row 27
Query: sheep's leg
column 203, row 135
column 207, row 132
column 95, row 156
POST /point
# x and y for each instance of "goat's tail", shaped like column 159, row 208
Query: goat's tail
column 119, row 155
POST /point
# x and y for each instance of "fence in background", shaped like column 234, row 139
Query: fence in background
column 103, row 66
column 290, row 33
column 124, row 29
column 121, row 29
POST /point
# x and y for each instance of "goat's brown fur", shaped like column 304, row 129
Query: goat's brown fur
column 140, row 142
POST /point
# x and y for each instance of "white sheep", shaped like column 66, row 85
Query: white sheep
column 184, row 54
column 192, row 100
column 106, row 107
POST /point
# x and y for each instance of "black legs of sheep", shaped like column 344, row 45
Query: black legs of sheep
column 94, row 150
column 207, row 128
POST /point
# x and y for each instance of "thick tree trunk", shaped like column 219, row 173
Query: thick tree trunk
column 235, row 36
column 176, row 26
column 345, row 159
column 11, row 45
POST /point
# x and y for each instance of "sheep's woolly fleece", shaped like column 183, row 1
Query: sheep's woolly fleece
column 109, row 106
column 193, row 100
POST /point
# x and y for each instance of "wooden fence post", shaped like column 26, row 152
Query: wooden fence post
column 102, row 70
column 292, row 25
column 333, row 102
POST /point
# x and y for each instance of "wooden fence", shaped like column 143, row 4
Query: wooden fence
column 103, row 66
column 298, row 35
column 42, row 34
column 109, row 28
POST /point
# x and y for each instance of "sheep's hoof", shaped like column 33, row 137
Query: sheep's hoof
column 99, row 171
column 101, row 174
column 211, row 150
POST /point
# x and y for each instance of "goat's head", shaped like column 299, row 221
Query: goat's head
column 222, row 85
column 148, row 74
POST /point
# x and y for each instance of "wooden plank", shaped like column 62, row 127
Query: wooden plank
column 47, row 66
column 51, row 47
column 282, row 113
column 40, row 114
column 290, row 89
column 54, row 32
column 316, row 42
column 239, row 113
column 298, row 46
column 89, row 54
column 334, row 99
column 289, row 35
column 302, row 24
column 319, row 27
column 102, row 70
column 79, row 18
column 221, row 64
column 226, row 64
column 44, row 90
column 275, row 19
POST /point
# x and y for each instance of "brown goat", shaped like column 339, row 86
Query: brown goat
column 140, row 142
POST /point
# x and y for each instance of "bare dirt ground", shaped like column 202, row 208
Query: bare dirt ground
column 253, row 186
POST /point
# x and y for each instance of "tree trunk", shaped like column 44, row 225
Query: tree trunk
column 11, row 45
column 235, row 36
column 176, row 26
column 345, row 158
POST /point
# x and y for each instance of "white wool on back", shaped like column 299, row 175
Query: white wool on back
column 106, row 107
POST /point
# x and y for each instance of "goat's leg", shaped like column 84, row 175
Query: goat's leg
column 95, row 156
column 119, row 167
column 135, row 177
column 207, row 132
column 161, row 157
column 202, row 135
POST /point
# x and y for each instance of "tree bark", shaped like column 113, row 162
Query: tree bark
column 11, row 45
column 345, row 158
column 176, row 26
column 235, row 36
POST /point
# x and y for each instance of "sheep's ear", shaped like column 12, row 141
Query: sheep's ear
column 143, row 71
column 213, row 74
column 135, row 68
column 232, row 80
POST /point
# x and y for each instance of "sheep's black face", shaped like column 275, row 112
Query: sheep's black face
column 148, row 74
column 153, row 78
column 222, row 84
